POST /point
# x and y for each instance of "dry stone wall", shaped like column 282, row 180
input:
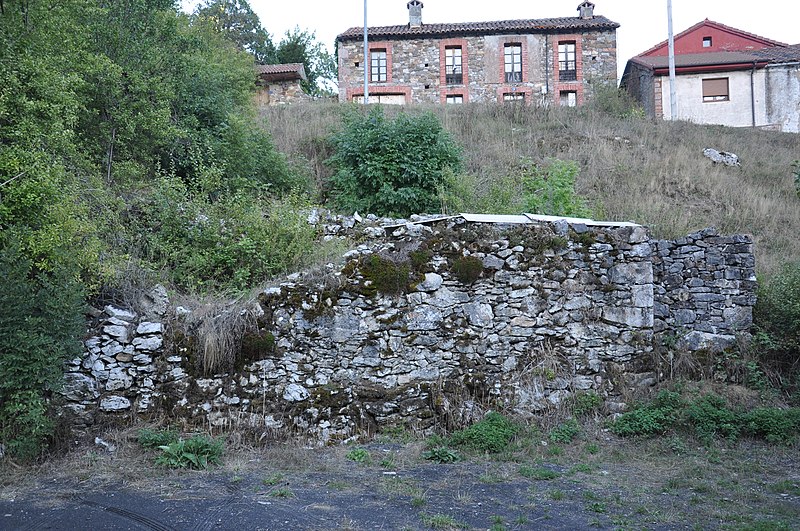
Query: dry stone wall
column 424, row 323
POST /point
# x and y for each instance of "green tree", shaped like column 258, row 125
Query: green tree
column 236, row 20
column 303, row 47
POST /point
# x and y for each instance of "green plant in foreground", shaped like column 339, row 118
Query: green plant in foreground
column 441, row 454
column 551, row 189
column 198, row 452
column 359, row 455
column 493, row 434
column 443, row 521
column 150, row 438
column 565, row 432
column 652, row 418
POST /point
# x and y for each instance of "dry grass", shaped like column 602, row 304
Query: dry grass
column 632, row 168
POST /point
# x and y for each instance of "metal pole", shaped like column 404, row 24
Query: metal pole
column 673, row 99
column 366, row 58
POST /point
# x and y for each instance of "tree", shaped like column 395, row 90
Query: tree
column 236, row 20
column 302, row 47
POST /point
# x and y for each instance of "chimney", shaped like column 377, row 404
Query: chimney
column 586, row 10
column 414, row 14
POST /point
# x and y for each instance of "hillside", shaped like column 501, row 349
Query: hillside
column 632, row 168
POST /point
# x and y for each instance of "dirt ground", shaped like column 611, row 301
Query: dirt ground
column 596, row 482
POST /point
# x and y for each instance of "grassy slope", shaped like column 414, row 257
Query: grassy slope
column 632, row 168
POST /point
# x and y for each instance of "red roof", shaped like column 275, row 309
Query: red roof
column 763, row 41
column 482, row 28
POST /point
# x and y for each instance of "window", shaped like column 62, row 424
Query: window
column 513, row 63
column 455, row 98
column 514, row 96
column 715, row 89
column 706, row 42
column 567, row 64
column 454, row 73
column 377, row 65
column 569, row 98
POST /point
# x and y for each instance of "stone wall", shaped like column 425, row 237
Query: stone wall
column 421, row 324
column 416, row 64
column 705, row 289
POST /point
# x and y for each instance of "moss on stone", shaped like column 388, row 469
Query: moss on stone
column 467, row 269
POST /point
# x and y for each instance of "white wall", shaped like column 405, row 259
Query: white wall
column 783, row 97
column 736, row 112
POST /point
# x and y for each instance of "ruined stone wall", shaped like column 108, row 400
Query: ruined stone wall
column 420, row 325
column 705, row 288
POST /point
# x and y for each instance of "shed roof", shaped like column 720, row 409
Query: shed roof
column 281, row 72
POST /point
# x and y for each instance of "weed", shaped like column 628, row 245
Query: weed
column 442, row 521
column 493, row 434
column 650, row 419
column 387, row 276
column 592, row 449
column 537, row 473
column 710, row 417
column 585, row 403
column 565, row 432
column 597, row 507
column 198, row 452
column 441, row 454
column 786, row 487
column 282, row 492
column 359, row 455
column 555, row 450
column 497, row 523
column 388, row 462
column 152, row 439
column 582, row 467
column 557, row 495
column 273, row 479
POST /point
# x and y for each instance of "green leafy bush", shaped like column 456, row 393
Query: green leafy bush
column 652, row 418
column 229, row 244
column 585, row 403
column 493, row 434
column 710, row 417
column 198, row 453
column 359, row 455
column 391, row 166
column 774, row 425
column 41, row 324
column 777, row 318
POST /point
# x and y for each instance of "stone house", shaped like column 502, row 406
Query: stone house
column 280, row 84
column 542, row 61
column 724, row 76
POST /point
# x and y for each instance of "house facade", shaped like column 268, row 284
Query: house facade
column 542, row 61
column 280, row 84
column 724, row 76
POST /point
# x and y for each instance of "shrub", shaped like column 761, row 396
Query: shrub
column 585, row 403
column 651, row 418
column 359, row 455
column 774, row 425
column 550, row 189
column 710, row 417
column 198, row 453
column 391, row 166
column 229, row 244
column 565, row 432
column 41, row 323
column 777, row 316
column 493, row 434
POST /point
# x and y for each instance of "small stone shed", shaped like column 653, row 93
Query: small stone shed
column 280, row 84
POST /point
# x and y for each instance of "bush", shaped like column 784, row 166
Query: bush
column 710, row 417
column 565, row 432
column 774, row 425
column 777, row 317
column 441, row 454
column 229, row 244
column 41, row 323
column 391, row 167
column 152, row 439
column 650, row 419
column 493, row 434
column 550, row 189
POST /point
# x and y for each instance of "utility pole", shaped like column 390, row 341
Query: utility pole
column 366, row 58
column 673, row 99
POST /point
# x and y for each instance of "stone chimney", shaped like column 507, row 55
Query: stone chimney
column 586, row 10
column 414, row 14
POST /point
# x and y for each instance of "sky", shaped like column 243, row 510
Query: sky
column 643, row 22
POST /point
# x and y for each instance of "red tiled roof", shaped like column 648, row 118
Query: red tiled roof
column 775, row 55
column 789, row 54
column 283, row 71
column 482, row 28
column 723, row 27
